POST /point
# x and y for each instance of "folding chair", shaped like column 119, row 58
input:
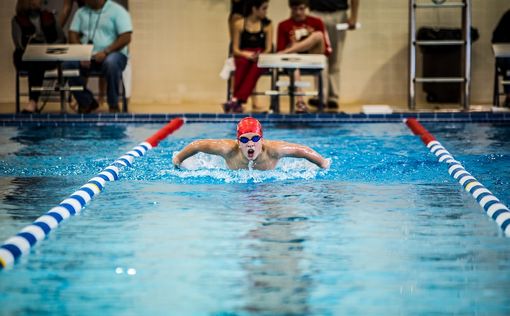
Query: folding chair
column 499, row 82
column 20, row 74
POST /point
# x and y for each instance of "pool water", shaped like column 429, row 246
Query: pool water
column 385, row 231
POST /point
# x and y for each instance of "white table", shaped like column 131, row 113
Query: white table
column 290, row 62
column 58, row 53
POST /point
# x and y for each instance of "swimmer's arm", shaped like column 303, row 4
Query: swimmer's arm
column 208, row 146
column 300, row 151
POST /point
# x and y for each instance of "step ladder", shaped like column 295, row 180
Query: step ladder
column 465, row 80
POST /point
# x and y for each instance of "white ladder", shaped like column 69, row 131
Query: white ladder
column 465, row 80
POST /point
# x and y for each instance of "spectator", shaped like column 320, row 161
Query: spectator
column 237, row 10
column 236, row 14
column 67, row 7
column 33, row 25
column 302, row 33
column 502, row 35
column 107, row 26
column 333, row 12
column 251, row 36
column 65, row 13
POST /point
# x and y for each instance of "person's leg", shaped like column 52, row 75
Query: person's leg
column 251, row 77
column 337, row 39
column 242, row 68
column 35, row 79
column 312, row 44
column 85, row 98
column 300, row 106
column 112, row 68
column 331, row 77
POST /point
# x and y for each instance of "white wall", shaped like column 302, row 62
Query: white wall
column 179, row 47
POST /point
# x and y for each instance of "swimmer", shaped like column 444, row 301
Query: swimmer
column 250, row 150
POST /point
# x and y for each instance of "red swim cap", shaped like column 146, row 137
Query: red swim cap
column 249, row 125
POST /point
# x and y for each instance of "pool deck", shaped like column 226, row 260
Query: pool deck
column 210, row 112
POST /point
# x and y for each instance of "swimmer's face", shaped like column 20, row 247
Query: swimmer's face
column 251, row 149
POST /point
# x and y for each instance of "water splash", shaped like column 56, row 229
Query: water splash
column 214, row 167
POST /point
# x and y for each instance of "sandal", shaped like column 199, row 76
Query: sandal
column 232, row 107
column 238, row 108
column 301, row 107
column 227, row 106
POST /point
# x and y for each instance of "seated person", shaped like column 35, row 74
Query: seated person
column 237, row 10
column 252, row 36
column 302, row 33
column 106, row 25
column 502, row 35
column 236, row 14
column 33, row 25
column 67, row 8
column 250, row 150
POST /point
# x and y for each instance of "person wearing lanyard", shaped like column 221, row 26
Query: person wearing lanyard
column 108, row 27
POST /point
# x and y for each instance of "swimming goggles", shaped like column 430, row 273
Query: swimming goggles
column 254, row 139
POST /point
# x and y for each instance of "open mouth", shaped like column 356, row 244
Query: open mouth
column 251, row 152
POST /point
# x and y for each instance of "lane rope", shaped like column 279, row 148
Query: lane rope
column 20, row 244
column 489, row 203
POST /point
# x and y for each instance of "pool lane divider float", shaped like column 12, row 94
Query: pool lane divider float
column 20, row 244
column 491, row 204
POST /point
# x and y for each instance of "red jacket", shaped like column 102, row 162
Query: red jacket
column 290, row 31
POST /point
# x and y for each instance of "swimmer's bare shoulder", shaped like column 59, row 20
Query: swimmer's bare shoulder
column 275, row 148
column 225, row 148
column 281, row 149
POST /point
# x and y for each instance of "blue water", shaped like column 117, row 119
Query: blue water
column 385, row 231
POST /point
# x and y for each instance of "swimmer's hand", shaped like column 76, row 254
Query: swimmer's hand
column 176, row 162
column 325, row 164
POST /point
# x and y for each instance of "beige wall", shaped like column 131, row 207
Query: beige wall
column 179, row 47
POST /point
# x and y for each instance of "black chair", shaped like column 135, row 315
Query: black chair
column 20, row 74
column 24, row 74
column 498, row 82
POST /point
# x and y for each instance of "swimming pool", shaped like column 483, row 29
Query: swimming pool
column 385, row 231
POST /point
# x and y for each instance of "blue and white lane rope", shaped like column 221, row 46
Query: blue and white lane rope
column 490, row 203
column 20, row 244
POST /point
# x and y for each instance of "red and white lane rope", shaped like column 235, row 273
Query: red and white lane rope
column 491, row 204
column 21, row 243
